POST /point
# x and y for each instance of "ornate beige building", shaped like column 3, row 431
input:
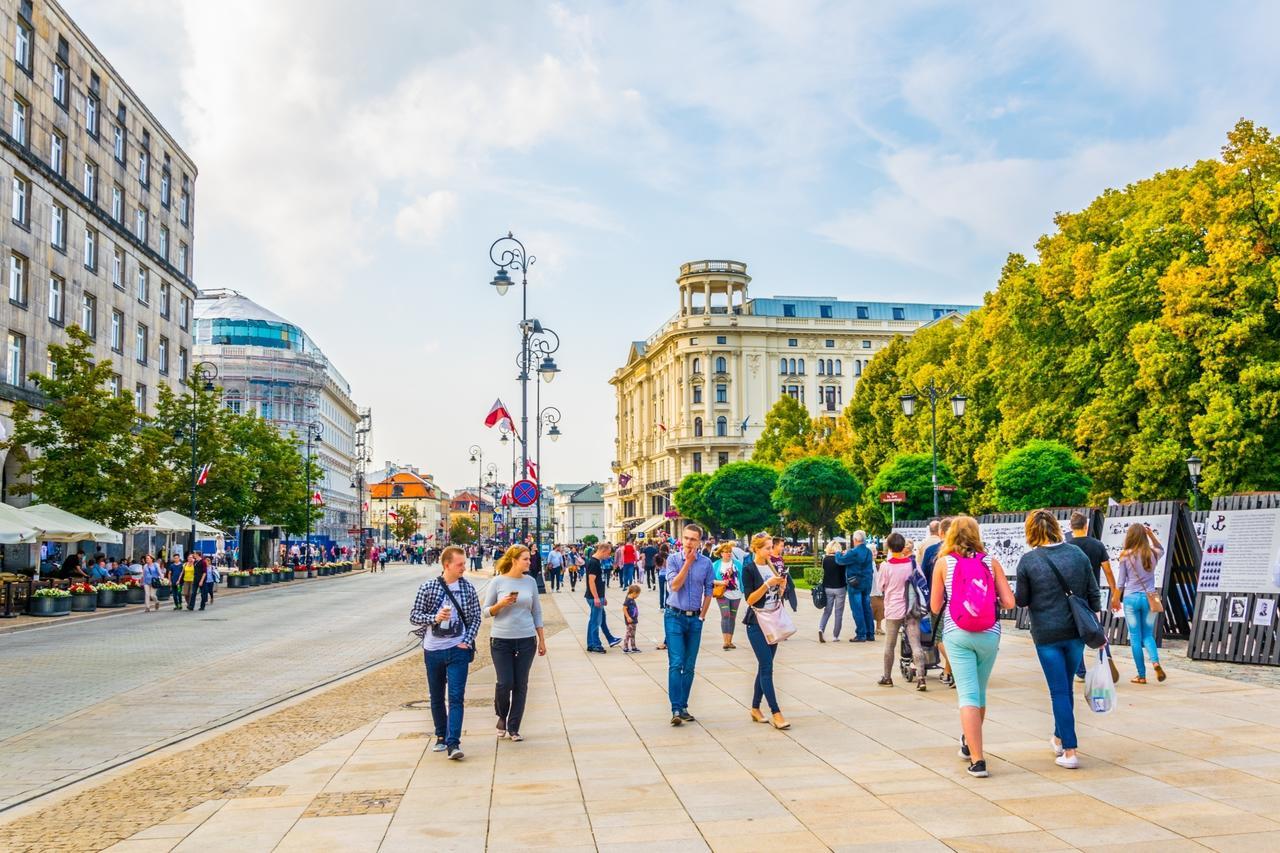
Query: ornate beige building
column 693, row 395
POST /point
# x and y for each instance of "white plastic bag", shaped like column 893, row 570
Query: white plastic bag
column 1099, row 688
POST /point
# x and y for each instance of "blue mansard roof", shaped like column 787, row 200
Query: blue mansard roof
column 839, row 309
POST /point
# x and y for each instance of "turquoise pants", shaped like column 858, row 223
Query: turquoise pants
column 1142, row 630
column 973, row 655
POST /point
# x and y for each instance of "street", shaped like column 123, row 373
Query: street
column 84, row 696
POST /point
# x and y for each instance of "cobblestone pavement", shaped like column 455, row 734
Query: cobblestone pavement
column 82, row 696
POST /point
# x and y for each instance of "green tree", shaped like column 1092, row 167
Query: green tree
column 911, row 473
column 462, row 531
column 814, row 491
column 787, row 428
column 739, row 497
column 406, row 525
column 689, row 499
column 85, row 457
column 1039, row 474
column 590, row 539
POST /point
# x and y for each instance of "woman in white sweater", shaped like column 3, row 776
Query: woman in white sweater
column 512, row 601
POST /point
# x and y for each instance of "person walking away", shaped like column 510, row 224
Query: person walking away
column 555, row 568
column 629, row 558
column 664, row 554
column 1136, row 581
column 446, row 610
column 649, row 553
column 151, row 579
column 576, row 562
column 859, row 567
column 933, row 538
column 1100, row 560
column 765, row 588
column 190, row 583
column 595, row 594
column 727, row 588
column 833, row 585
column 631, row 618
column 176, row 571
column 1043, row 572
column 511, row 599
column 895, row 574
column 967, row 584
column 689, row 585
column 210, row 585
column 926, row 568
column 383, row 555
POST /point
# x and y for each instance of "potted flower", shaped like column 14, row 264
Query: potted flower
column 111, row 594
column 237, row 579
column 163, row 591
column 84, row 598
column 50, row 602
column 133, row 592
column 255, row 577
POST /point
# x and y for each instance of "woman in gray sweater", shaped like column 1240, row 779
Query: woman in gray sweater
column 1042, row 573
column 512, row 601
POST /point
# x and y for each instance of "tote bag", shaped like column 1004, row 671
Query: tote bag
column 775, row 624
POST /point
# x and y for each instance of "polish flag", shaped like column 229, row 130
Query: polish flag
column 533, row 469
column 506, row 499
column 204, row 474
column 497, row 415
column 394, row 516
column 317, row 498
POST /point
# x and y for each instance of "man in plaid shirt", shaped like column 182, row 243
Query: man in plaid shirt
column 448, row 644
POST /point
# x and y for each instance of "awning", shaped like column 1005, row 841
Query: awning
column 169, row 521
column 58, row 525
column 16, row 528
column 651, row 523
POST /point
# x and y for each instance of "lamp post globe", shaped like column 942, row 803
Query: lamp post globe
column 908, row 402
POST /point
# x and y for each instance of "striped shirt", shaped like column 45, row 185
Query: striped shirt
column 949, row 626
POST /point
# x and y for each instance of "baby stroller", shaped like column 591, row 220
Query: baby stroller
column 906, row 659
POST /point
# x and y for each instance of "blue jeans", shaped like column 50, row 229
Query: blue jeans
column 1059, row 661
column 662, row 602
column 595, row 622
column 628, row 574
column 860, row 604
column 1142, row 630
column 447, row 670
column 764, row 668
column 684, row 635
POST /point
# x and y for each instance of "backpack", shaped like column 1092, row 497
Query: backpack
column 917, row 593
column 972, row 605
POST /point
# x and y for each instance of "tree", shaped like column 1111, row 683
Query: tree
column 406, row 525
column 814, row 491
column 911, row 473
column 739, row 497
column 1039, row 474
column 590, row 539
column 787, row 428
column 462, row 531
column 689, row 499
column 86, row 458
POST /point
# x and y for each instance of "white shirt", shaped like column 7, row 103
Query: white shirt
column 432, row 643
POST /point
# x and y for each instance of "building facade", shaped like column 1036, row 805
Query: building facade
column 465, row 504
column 101, row 204
column 578, row 511
column 693, row 396
column 403, row 488
column 267, row 366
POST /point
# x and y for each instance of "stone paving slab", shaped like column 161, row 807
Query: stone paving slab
column 1188, row 764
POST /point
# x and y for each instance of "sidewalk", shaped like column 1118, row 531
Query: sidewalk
column 1190, row 764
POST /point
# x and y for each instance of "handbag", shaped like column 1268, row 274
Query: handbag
column 775, row 623
column 1086, row 620
column 1154, row 604
column 819, row 597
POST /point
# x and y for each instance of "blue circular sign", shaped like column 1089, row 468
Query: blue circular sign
column 524, row 493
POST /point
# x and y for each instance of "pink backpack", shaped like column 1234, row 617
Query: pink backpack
column 972, row 606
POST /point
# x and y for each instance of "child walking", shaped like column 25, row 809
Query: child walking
column 631, row 616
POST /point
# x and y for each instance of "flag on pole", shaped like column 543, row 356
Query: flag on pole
column 506, row 499
column 475, row 507
column 623, row 480
column 744, row 424
column 498, row 414
column 317, row 498
column 203, row 477
column 662, row 426
column 533, row 469
column 394, row 516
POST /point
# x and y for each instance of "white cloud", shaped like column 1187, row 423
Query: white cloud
column 424, row 219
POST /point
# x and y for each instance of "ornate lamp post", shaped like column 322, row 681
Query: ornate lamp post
column 1193, row 468
column 314, row 430
column 550, row 416
column 934, row 394
column 203, row 373
column 477, row 456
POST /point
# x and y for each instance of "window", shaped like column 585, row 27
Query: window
column 182, row 259
column 182, row 367
column 114, row 385
column 58, row 154
column 166, row 184
column 839, row 367
column 17, row 279
column 788, row 310
column 939, row 312
column 802, row 367
column 697, row 394
column 697, row 463
column 140, row 224
column 117, row 331
column 184, row 202
column 164, row 300
column 90, row 249
column 693, row 342
column 899, row 313
column 164, row 242
column 721, row 339
column 22, row 41
column 57, row 289
column 91, row 180
column 140, row 344
column 830, row 343
column 184, row 312
column 18, row 128
column 118, row 146
column 697, row 427
column 793, row 342
column 16, row 359
column 91, row 111
column 829, row 395
column 117, row 268
column 824, row 311
column 117, row 203
column 144, row 161
column 722, row 459
column 722, row 393
column 863, row 313
column 144, row 286
column 866, row 344
column 722, row 426
column 857, row 367
column 821, row 371
column 232, row 402
column 140, row 398
column 721, row 366
column 697, row 365
column 782, row 367
column 89, row 315
column 162, row 355
column 60, row 79
column 58, row 227
column 21, row 195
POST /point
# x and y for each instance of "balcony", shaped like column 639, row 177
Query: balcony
column 694, row 267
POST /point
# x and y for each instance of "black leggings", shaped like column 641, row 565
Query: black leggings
column 512, row 660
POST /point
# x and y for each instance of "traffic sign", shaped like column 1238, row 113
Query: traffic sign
column 893, row 497
column 524, row 493
column 524, row 512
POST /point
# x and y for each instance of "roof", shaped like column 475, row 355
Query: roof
column 588, row 494
column 232, row 305
column 840, row 309
column 411, row 487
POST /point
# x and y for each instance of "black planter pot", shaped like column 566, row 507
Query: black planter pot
column 255, row 580
column 235, row 582
column 83, row 602
column 163, row 592
column 275, row 577
column 110, row 598
column 135, row 595
column 49, row 606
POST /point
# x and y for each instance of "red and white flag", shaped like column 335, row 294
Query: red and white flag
column 497, row 415
column 203, row 477
column 394, row 516
column 317, row 498
column 475, row 507
column 506, row 499
column 533, row 469
column 662, row 426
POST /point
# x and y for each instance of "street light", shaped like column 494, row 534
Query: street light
column 203, row 373
column 1193, row 468
column 314, row 429
column 477, row 456
column 550, row 416
column 934, row 394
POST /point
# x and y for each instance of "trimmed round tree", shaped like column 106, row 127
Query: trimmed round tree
column 739, row 497
column 689, row 499
column 911, row 473
column 1039, row 474
column 814, row 491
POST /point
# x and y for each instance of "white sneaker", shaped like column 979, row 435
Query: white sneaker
column 1057, row 747
column 1071, row 763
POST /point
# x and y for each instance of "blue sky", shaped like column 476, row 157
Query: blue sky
column 356, row 161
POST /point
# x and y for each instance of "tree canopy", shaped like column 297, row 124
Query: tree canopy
column 814, row 491
column 1039, row 474
column 462, row 531
column 740, row 497
column 689, row 499
column 406, row 525
column 787, row 429
column 911, row 473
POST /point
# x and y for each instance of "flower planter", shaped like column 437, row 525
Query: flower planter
column 110, row 598
column 84, row 602
column 255, row 580
column 275, row 577
column 235, row 582
column 287, row 576
column 163, row 592
column 135, row 595
column 41, row 606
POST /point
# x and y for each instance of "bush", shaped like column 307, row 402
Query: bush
column 813, row 576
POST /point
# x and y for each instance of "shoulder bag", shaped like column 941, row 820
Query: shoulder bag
column 1086, row 620
column 775, row 622
column 819, row 594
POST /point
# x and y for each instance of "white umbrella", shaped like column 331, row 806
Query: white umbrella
column 58, row 525
column 16, row 528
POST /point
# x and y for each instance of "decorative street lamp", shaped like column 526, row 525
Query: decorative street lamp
column 477, row 456
column 1193, row 468
column 550, row 416
column 508, row 253
column 203, row 373
column 934, row 394
column 314, row 429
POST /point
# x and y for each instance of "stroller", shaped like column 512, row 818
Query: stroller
column 906, row 659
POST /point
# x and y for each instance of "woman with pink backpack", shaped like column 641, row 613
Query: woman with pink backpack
column 968, row 589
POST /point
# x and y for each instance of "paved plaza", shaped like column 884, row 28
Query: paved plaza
column 1190, row 764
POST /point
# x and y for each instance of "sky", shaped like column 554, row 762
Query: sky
column 356, row 161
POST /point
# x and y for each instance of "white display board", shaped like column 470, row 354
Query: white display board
column 1007, row 542
column 1241, row 551
column 1115, row 528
